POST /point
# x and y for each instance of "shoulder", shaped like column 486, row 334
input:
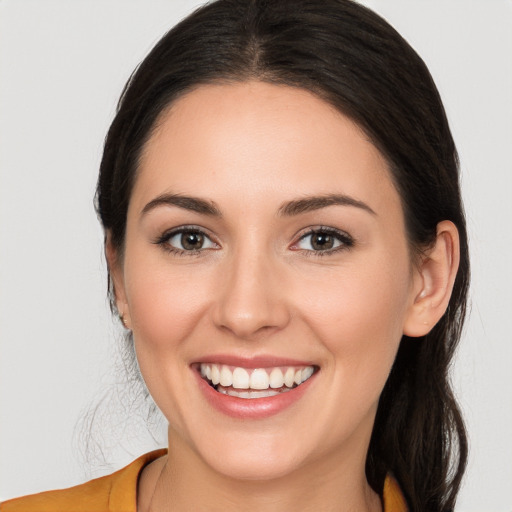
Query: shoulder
column 392, row 496
column 93, row 495
column 110, row 493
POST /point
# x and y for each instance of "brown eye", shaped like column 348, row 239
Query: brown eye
column 322, row 241
column 325, row 240
column 191, row 241
column 187, row 240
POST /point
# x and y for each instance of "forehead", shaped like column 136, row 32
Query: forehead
column 257, row 140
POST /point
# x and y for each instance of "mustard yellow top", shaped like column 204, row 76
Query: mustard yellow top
column 117, row 492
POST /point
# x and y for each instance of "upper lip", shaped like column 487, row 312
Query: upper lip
column 259, row 361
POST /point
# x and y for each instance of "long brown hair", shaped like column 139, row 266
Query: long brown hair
column 356, row 61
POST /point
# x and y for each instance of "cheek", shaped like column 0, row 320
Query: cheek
column 166, row 302
column 359, row 314
column 167, row 305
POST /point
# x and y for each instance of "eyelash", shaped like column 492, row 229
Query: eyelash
column 163, row 240
column 346, row 241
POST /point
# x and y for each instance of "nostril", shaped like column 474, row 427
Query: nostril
column 248, row 332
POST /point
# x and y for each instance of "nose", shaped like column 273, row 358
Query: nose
column 251, row 299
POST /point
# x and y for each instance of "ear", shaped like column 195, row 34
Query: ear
column 434, row 281
column 116, row 274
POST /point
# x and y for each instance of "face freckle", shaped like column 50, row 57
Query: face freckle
column 256, row 171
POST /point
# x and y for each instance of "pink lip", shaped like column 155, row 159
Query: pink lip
column 262, row 361
column 256, row 408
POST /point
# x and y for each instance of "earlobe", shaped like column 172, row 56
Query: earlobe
column 117, row 280
column 435, row 279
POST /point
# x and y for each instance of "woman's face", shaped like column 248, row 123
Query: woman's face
column 265, row 240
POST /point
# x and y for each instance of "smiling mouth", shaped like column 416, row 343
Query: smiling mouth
column 251, row 383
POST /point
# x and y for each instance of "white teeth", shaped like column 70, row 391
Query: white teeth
column 289, row 377
column 226, row 377
column 306, row 373
column 215, row 374
column 259, row 379
column 240, row 378
column 265, row 380
column 276, row 379
column 250, row 394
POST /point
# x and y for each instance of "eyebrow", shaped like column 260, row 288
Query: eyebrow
column 186, row 202
column 288, row 209
column 312, row 203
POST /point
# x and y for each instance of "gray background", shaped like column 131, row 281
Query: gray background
column 62, row 67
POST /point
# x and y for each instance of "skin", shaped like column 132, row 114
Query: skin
column 259, row 287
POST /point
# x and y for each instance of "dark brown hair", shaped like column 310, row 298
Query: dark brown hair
column 354, row 60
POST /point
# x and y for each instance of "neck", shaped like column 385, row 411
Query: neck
column 185, row 482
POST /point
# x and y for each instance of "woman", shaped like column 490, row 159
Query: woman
column 287, row 251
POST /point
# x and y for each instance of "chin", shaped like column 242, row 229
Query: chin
column 254, row 458
column 249, row 468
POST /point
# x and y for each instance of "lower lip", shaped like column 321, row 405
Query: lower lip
column 252, row 408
